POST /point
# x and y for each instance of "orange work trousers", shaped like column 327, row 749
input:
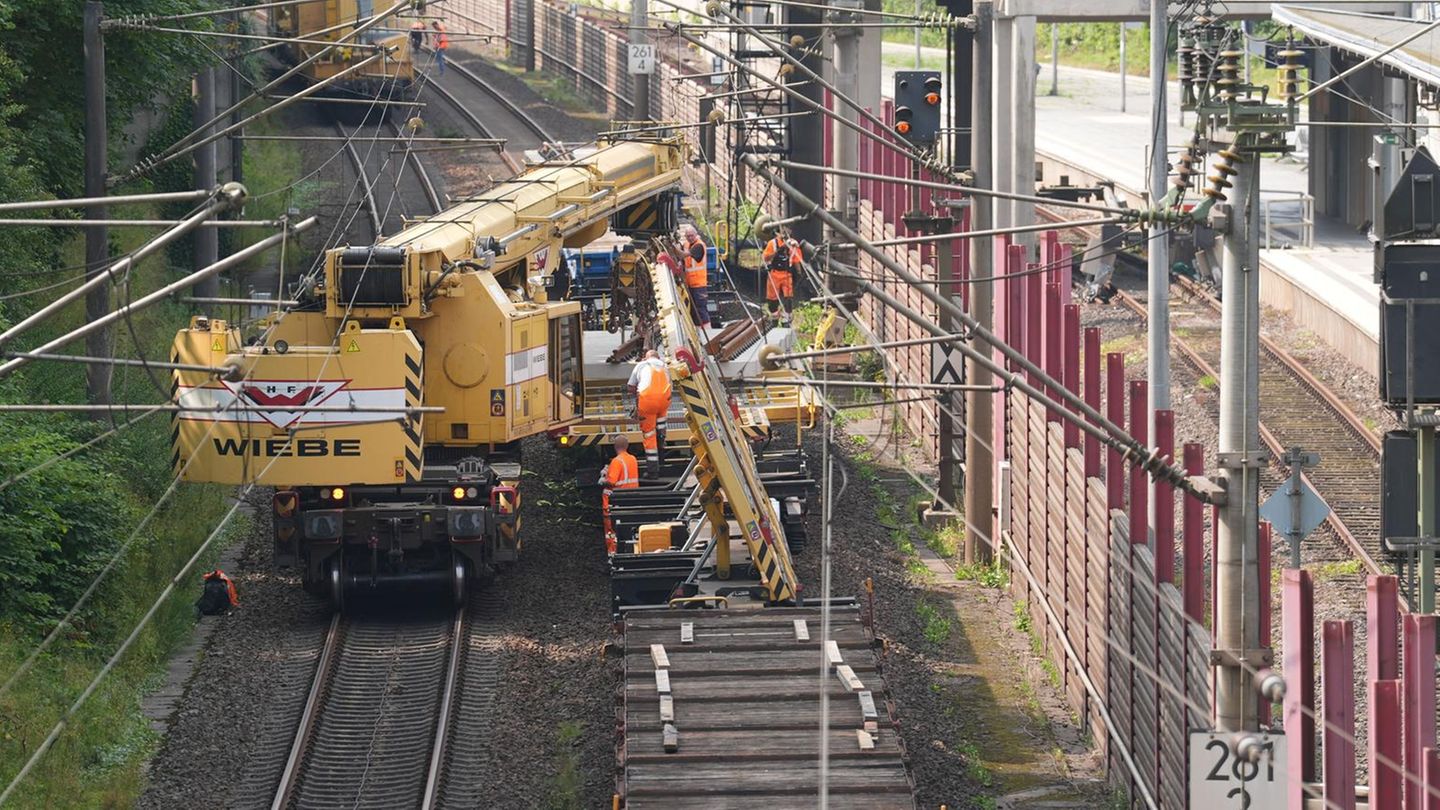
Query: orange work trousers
column 652, row 411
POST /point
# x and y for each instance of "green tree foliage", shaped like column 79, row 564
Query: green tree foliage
column 58, row 525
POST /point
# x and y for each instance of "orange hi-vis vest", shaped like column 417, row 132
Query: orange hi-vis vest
column 623, row 472
column 695, row 273
column 775, row 246
column 442, row 40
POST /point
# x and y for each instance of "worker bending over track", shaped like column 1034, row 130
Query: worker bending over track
column 782, row 256
column 648, row 398
column 697, row 277
column 623, row 472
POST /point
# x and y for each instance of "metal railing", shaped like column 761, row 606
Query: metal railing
column 1302, row 231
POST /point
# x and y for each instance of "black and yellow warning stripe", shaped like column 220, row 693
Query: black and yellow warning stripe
column 643, row 216
column 414, row 379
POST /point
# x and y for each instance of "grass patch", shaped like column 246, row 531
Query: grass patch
column 975, row 769
column 990, row 575
column 947, row 541
column 569, row 784
column 1208, row 382
column 1343, row 568
column 937, row 627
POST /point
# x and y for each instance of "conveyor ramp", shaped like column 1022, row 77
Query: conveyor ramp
column 744, row 695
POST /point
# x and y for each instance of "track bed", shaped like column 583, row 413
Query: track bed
column 747, row 706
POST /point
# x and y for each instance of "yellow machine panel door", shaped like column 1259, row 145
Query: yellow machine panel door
column 567, row 367
column 527, row 372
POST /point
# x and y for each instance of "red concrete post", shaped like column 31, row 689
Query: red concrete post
column 1192, row 539
column 1054, row 326
column 1382, row 622
column 1165, row 500
column 1266, row 622
column 1070, row 372
column 1092, row 396
column 1035, row 319
column 1066, row 259
column 1386, row 780
column 1115, row 412
column 1139, row 502
column 1015, row 294
column 1297, row 621
column 1337, row 659
column 867, row 157
column 887, row 162
column 1431, row 778
column 1419, row 680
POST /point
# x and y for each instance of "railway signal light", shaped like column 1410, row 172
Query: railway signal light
column 917, row 105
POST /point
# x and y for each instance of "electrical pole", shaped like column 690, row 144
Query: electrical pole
column 1122, row 67
column 944, row 266
column 979, row 405
column 97, row 237
column 206, row 240
column 640, row 93
column 1054, row 59
column 918, row 12
column 1425, row 562
column 847, row 141
column 1242, row 457
column 807, row 143
column 1158, row 247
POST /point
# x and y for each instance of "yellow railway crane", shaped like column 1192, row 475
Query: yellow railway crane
column 314, row 23
column 388, row 406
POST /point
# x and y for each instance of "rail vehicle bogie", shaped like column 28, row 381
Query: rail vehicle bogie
column 455, row 527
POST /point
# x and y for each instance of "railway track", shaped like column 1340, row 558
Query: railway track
column 517, row 128
column 1297, row 409
column 391, row 194
column 380, row 723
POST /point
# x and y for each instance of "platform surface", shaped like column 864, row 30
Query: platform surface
column 1084, row 126
column 747, row 702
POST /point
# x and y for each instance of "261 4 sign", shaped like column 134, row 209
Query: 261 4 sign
column 1221, row 780
column 642, row 58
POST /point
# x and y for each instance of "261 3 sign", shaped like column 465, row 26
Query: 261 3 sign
column 1221, row 780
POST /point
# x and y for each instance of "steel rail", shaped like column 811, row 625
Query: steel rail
column 1292, row 366
column 418, row 167
column 442, row 718
column 289, row 778
column 367, row 188
column 505, row 101
column 474, row 121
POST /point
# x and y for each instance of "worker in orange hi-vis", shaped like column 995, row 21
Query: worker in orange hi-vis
column 782, row 257
column 648, row 399
column 442, row 45
column 623, row 472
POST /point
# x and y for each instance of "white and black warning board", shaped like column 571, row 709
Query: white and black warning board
column 642, row 58
column 947, row 364
column 1221, row 780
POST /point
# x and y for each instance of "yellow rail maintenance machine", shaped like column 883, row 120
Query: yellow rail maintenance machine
column 388, row 406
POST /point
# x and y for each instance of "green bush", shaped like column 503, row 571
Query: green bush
column 58, row 525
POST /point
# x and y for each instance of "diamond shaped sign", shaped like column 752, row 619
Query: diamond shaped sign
column 1279, row 510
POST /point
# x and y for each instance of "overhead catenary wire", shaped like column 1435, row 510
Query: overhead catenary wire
column 60, row 726
column 54, row 634
column 1073, row 408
